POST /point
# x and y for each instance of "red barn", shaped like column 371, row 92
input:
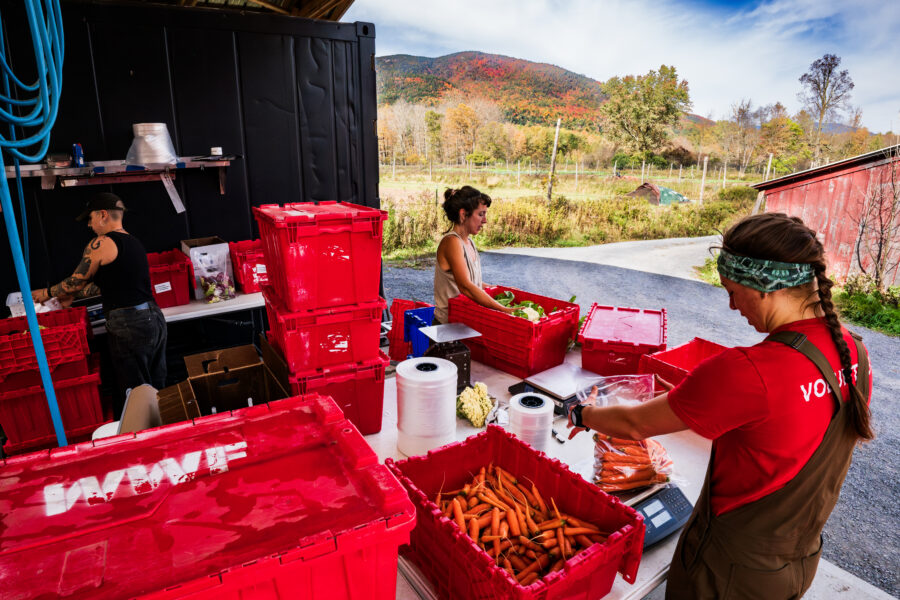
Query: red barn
column 833, row 200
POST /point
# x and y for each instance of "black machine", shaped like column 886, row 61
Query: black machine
column 665, row 512
column 446, row 343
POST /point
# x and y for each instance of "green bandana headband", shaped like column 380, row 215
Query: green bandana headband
column 763, row 275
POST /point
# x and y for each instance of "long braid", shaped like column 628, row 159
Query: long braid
column 859, row 407
column 777, row 236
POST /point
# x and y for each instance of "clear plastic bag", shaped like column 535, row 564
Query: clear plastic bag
column 151, row 145
column 211, row 270
column 615, row 389
column 623, row 465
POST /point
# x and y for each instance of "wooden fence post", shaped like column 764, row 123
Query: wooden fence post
column 703, row 180
column 759, row 199
column 553, row 162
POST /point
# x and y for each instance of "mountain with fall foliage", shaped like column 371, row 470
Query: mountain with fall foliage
column 527, row 92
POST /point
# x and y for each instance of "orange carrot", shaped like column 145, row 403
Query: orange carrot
column 557, row 565
column 561, row 541
column 458, row 514
column 539, row 563
column 473, row 529
column 531, row 578
column 517, row 563
column 513, row 521
column 474, row 510
column 537, row 497
column 551, row 543
column 578, row 531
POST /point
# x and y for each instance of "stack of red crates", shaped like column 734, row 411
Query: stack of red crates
column 24, row 414
column 324, row 265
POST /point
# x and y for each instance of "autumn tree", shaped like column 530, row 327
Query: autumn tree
column 782, row 137
column 433, row 121
column 825, row 91
column 641, row 108
column 461, row 129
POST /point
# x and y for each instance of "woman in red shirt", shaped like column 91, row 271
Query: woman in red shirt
column 784, row 416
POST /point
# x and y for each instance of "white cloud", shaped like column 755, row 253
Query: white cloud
column 725, row 55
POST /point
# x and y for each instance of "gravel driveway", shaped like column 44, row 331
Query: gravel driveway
column 862, row 534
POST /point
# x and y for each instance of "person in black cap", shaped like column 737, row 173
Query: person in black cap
column 114, row 265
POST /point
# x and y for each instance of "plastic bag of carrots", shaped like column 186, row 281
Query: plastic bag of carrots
column 622, row 465
column 511, row 521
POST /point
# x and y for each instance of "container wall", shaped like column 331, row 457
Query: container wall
column 294, row 99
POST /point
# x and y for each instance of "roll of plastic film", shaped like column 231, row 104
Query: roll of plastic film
column 426, row 404
column 531, row 418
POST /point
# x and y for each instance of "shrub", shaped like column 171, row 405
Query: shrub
column 738, row 194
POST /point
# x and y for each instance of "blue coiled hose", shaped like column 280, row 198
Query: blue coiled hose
column 32, row 108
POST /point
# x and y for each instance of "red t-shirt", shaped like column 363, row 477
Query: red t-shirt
column 767, row 408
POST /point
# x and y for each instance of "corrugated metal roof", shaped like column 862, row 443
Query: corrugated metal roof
column 328, row 10
column 883, row 154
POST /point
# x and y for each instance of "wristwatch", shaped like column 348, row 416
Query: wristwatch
column 577, row 419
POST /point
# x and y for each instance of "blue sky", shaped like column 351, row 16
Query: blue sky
column 728, row 51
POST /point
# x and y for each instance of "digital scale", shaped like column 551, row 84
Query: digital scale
column 446, row 342
column 561, row 383
column 665, row 512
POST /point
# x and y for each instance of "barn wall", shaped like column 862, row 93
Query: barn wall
column 832, row 204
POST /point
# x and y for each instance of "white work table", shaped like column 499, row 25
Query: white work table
column 196, row 309
column 689, row 452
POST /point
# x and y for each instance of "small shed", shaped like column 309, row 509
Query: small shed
column 847, row 202
column 657, row 194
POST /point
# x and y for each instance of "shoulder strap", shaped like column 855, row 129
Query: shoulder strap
column 862, row 370
column 801, row 344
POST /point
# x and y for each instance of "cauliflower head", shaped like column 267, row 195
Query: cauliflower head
column 474, row 404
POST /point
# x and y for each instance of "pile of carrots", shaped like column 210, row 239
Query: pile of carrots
column 512, row 523
column 621, row 465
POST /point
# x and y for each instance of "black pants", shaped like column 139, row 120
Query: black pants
column 137, row 345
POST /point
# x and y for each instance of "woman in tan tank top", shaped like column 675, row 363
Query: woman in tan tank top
column 457, row 269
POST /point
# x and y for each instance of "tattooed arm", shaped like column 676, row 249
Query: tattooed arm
column 100, row 251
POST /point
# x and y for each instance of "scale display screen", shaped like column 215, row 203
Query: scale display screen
column 664, row 513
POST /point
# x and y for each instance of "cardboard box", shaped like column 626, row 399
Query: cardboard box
column 226, row 379
column 208, row 254
column 177, row 403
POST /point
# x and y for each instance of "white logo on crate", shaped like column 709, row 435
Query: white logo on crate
column 58, row 499
column 260, row 269
column 163, row 287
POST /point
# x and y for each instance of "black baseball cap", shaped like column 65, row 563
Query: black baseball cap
column 101, row 201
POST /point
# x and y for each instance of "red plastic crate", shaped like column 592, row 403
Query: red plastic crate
column 504, row 357
column 171, row 277
column 358, row 388
column 65, row 339
column 458, row 568
column 399, row 349
column 545, row 342
column 322, row 338
column 249, row 263
column 674, row 364
column 322, row 255
column 281, row 500
column 614, row 339
column 25, row 416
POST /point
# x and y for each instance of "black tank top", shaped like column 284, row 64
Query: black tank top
column 125, row 281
